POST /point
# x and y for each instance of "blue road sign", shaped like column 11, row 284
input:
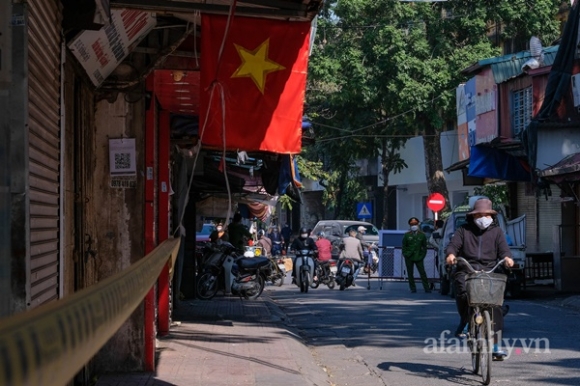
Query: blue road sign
column 364, row 210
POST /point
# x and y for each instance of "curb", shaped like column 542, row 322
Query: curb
column 572, row 302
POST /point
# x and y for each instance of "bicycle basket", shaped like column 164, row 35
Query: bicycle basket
column 485, row 288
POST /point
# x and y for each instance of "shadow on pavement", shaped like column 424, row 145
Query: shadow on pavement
column 451, row 375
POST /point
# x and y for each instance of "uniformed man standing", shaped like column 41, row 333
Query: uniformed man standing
column 414, row 252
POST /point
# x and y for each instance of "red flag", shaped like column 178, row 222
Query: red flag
column 262, row 70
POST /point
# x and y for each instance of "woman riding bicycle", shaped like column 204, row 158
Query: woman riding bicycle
column 482, row 243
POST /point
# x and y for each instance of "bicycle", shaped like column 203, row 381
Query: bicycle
column 485, row 290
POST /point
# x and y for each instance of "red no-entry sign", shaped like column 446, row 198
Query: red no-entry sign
column 436, row 202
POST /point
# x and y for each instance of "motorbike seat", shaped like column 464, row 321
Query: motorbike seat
column 253, row 262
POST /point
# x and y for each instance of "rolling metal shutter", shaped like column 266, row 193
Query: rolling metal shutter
column 527, row 205
column 44, row 64
column 541, row 216
column 550, row 214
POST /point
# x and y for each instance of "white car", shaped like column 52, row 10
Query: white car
column 336, row 230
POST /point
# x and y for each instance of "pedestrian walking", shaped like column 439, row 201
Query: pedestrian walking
column 286, row 234
column 414, row 251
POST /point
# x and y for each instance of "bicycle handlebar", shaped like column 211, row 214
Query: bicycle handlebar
column 473, row 270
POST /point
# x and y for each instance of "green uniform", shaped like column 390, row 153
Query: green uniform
column 414, row 251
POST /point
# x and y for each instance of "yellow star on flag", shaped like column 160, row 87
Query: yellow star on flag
column 256, row 65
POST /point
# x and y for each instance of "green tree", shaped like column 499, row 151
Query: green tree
column 383, row 71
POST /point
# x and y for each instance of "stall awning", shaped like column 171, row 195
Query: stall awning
column 458, row 166
column 568, row 169
column 488, row 162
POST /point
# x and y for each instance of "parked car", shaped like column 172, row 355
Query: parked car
column 336, row 230
column 206, row 230
column 515, row 231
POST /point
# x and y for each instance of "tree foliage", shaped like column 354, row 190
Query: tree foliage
column 383, row 71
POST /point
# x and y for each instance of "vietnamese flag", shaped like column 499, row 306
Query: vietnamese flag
column 262, row 71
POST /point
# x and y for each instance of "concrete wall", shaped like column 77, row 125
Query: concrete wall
column 411, row 183
column 555, row 144
column 5, row 78
column 115, row 221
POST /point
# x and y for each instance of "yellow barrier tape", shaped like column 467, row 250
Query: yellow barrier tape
column 50, row 344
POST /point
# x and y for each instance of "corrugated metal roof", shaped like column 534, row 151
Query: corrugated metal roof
column 509, row 66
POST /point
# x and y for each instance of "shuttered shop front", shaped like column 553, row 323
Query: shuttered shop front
column 44, row 77
column 542, row 214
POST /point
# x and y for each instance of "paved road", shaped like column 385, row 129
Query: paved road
column 392, row 337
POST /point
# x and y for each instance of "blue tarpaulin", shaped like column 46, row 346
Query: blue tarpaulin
column 487, row 162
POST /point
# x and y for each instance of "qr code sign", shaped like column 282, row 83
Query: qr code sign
column 122, row 161
column 122, row 157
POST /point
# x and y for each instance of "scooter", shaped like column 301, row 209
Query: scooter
column 237, row 275
column 372, row 259
column 345, row 274
column 304, row 269
column 324, row 274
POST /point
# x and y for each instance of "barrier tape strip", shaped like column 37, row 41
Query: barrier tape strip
column 50, row 344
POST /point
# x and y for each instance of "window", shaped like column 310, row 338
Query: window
column 521, row 109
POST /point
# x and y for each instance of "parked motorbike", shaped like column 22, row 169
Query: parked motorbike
column 276, row 270
column 345, row 274
column 225, row 270
column 324, row 274
column 304, row 269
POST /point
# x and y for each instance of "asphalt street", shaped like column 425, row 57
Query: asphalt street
column 391, row 337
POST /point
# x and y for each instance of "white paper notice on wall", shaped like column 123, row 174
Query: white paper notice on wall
column 122, row 157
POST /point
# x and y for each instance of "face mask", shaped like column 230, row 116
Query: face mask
column 219, row 229
column 483, row 222
column 304, row 235
column 414, row 228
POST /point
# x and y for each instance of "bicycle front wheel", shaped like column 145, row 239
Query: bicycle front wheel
column 486, row 348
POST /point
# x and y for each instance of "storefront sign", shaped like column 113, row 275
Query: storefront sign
column 100, row 52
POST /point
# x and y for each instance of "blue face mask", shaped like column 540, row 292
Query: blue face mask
column 414, row 228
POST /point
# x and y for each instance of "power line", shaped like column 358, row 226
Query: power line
column 378, row 136
column 379, row 122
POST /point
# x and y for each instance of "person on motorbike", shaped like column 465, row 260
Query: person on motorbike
column 219, row 234
column 324, row 251
column 482, row 243
column 238, row 232
column 353, row 251
column 264, row 242
column 303, row 242
column 276, row 237
column 360, row 233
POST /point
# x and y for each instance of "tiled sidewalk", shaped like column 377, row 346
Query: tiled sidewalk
column 228, row 341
